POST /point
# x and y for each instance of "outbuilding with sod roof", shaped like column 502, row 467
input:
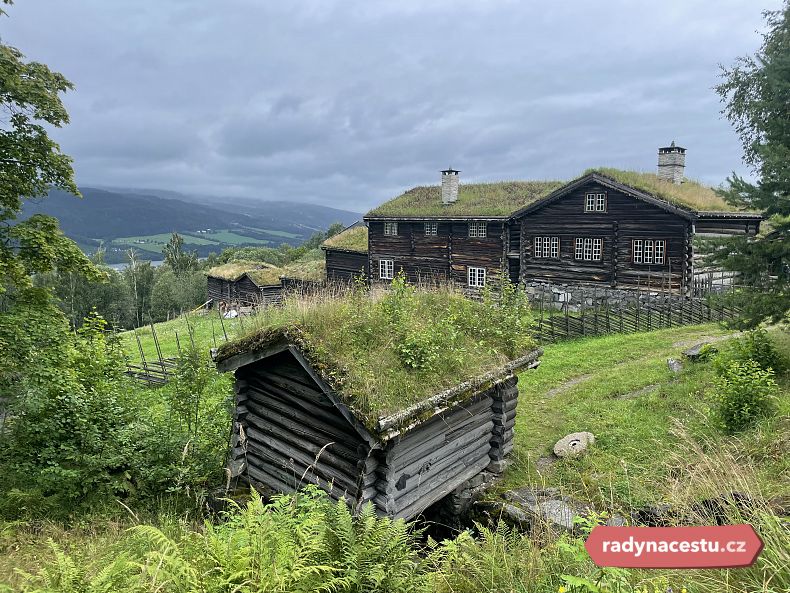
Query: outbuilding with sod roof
column 244, row 283
column 347, row 254
column 300, row 419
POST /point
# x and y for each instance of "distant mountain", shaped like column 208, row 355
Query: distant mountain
column 104, row 216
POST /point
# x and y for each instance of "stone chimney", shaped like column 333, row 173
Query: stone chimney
column 449, row 186
column 671, row 163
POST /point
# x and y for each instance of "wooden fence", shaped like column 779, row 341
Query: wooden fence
column 643, row 312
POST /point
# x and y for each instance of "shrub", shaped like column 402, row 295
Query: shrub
column 743, row 393
column 755, row 345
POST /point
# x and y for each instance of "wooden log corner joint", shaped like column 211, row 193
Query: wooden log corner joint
column 290, row 428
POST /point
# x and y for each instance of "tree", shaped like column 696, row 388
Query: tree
column 179, row 260
column 30, row 164
column 756, row 96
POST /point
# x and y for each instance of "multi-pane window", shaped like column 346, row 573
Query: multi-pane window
column 386, row 269
column 430, row 229
column 648, row 251
column 547, row 247
column 595, row 202
column 477, row 229
column 390, row 228
column 477, row 277
column 588, row 249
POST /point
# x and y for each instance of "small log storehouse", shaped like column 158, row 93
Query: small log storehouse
column 347, row 254
column 293, row 426
column 247, row 284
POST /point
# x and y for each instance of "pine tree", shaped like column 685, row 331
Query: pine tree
column 756, row 96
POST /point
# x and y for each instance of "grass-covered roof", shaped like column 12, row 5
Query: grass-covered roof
column 690, row 195
column 474, row 199
column 506, row 197
column 351, row 239
column 385, row 352
column 310, row 270
column 232, row 271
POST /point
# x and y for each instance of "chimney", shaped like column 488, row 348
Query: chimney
column 449, row 186
column 671, row 163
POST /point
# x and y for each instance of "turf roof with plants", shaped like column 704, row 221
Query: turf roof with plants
column 387, row 351
column 232, row 271
column 474, row 199
column 353, row 239
column 690, row 195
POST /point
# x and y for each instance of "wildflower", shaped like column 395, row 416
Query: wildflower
column 562, row 589
column 683, row 590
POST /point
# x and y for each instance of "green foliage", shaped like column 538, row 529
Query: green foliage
column 173, row 294
column 177, row 258
column 30, row 164
column 742, row 395
column 388, row 349
column 296, row 543
column 756, row 92
column 756, row 345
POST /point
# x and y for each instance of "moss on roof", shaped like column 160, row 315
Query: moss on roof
column 310, row 270
column 352, row 239
column 232, row 271
column 387, row 351
column 690, row 195
column 474, row 199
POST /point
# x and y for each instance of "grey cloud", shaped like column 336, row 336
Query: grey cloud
column 350, row 102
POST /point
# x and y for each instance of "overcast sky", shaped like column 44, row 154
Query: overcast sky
column 348, row 103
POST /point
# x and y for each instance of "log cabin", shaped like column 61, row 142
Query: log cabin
column 608, row 227
column 347, row 254
column 244, row 284
column 303, row 415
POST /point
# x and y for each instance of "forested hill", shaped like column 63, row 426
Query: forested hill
column 126, row 218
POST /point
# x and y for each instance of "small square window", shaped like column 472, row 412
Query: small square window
column 386, row 269
column 431, row 228
column 477, row 277
column 478, row 229
column 391, row 228
column 595, row 202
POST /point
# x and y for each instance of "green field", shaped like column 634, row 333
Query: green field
column 283, row 234
column 231, row 238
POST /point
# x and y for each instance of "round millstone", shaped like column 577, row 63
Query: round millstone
column 573, row 444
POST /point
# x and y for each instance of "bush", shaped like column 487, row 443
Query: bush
column 757, row 346
column 743, row 394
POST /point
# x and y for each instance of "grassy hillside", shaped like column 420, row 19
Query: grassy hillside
column 653, row 444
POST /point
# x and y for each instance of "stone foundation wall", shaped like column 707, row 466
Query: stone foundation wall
column 576, row 297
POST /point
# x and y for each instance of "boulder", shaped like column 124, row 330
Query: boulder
column 527, row 505
column 573, row 444
column 674, row 365
column 698, row 350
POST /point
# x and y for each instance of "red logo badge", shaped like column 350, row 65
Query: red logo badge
column 726, row 546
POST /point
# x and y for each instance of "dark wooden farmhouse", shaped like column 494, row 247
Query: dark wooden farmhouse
column 245, row 284
column 347, row 254
column 292, row 427
column 608, row 227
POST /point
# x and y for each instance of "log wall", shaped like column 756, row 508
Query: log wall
column 344, row 266
column 625, row 219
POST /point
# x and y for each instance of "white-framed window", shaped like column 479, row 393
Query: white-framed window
column 391, row 228
column 595, row 202
column 588, row 249
column 547, row 247
column 386, row 269
column 648, row 251
column 477, row 277
column 478, row 229
column 431, row 228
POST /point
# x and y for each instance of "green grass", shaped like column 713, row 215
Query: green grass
column 580, row 386
column 231, row 238
column 162, row 239
column 489, row 199
column 284, row 234
column 690, row 195
column 353, row 239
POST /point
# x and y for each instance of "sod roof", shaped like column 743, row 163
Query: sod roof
column 232, row 271
column 474, row 199
column 389, row 352
column 506, row 197
column 690, row 195
column 351, row 239
column 310, row 271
